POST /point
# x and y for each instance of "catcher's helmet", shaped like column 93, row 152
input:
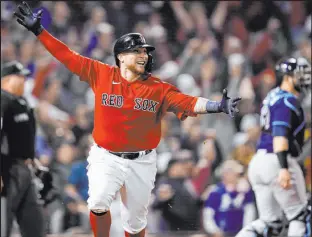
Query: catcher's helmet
column 300, row 68
column 132, row 41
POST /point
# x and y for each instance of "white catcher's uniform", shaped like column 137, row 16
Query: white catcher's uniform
column 281, row 115
column 272, row 200
column 108, row 174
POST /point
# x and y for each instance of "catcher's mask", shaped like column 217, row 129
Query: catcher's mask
column 130, row 42
column 299, row 68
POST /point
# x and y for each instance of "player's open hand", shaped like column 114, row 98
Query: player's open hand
column 284, row 178
column 229, row 105
column 31, row 21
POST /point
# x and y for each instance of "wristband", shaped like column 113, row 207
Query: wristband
column 38, row 30
column 282, row 158
column 213, row 106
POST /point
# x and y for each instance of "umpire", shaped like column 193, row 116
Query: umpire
column 18, row 129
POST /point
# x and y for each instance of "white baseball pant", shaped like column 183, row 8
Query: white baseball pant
column 272, row 200
column 109, row 174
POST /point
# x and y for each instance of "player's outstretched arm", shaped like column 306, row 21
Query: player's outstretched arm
column 226, row 105
column 185, row 105
column 82, row 66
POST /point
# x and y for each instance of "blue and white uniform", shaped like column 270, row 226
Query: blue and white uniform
column 281, row 115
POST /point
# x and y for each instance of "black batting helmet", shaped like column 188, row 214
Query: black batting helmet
column 132, row 41
column 300, row 68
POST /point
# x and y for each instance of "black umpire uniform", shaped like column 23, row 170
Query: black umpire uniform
column 18, row 130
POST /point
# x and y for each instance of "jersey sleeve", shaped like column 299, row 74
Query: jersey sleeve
column 87, row 69
column 180, row 104
column 282, row 113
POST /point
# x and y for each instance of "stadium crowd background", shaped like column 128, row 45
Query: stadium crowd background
column 201, row 48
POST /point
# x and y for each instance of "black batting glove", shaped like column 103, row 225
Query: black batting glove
column 31, row 21
column 229, row 105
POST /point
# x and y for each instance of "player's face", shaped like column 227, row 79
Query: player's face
column 136, row 60
column 301, row 78
column 303, row 81
column 301, row 84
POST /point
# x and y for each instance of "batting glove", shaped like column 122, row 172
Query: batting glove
column 229, row 105
column 31, row 21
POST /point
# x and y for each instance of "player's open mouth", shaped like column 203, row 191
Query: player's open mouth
column 141, row 63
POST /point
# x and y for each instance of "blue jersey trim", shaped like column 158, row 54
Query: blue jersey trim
column 289, row 105
column 280, row 131
column 298, row 129
column 276, row 95
column 275, row 98
column 280, row 123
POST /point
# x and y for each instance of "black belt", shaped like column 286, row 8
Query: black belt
column 129, row 155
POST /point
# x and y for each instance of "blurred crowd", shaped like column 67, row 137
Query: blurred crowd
column 201, row 47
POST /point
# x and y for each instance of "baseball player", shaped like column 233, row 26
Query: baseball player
column 274, row 174
column 129, row 106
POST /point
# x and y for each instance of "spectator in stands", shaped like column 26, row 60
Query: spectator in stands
column 27, row 55
column 83, row 123
column 43, row 150
column 61, row 15
column 61, row 168
column 178, row 193
column 105, row 37
column 250, row 124
column 192, row 136
column 230, row 203
column 76, row 188
column 96, row 15
column 243, row 149
column 117, row 15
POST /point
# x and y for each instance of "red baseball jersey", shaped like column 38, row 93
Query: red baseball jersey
column 127, row 116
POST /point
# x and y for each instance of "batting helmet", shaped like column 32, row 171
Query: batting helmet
column 300, row 68
column 130, row 42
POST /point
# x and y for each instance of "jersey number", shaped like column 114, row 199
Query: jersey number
column 265, row 117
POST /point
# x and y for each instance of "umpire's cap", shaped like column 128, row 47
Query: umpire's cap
column 129, row 42
column 14, row 68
